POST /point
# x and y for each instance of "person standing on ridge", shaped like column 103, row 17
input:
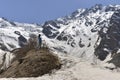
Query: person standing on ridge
column 39, row 40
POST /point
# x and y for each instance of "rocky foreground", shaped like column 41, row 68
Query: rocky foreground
column 33, row 63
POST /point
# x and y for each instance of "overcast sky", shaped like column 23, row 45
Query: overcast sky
column 38, row 11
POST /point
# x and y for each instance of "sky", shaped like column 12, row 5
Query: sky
column 39, row 11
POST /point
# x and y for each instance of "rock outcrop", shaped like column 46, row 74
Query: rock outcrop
column 110, row 41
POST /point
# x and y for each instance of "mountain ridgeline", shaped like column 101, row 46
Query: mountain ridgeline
column 84, row 33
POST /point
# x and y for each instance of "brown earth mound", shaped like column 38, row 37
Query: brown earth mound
column 33, row 63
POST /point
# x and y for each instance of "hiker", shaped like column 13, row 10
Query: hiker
column 39, row 41
column 22, row 40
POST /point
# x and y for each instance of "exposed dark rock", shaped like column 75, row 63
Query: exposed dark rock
column 63, row 37
column 111, row 8
column 81, row 44
column 115, row 60
column 110, row 40
column 22, row 40
column 49, row 31
column 53, row 23
column 3, row 47
column 95, row 8
column 89, row 45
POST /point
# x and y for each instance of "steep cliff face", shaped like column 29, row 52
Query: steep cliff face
column 110, row 41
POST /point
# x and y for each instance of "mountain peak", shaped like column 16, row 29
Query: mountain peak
column 4, row 22
column 3, row 19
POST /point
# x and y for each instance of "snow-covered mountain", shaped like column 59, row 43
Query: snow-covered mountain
column 83, row 33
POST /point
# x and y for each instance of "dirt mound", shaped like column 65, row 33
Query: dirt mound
column 32, row 64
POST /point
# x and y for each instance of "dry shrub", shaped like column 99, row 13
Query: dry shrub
column 34, row 64
column 33, row 41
